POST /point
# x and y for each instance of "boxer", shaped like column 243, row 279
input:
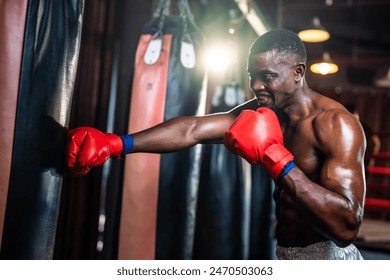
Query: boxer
column 310, row 145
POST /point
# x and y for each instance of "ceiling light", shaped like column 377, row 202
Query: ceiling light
column 324, row 67
column 315, row 33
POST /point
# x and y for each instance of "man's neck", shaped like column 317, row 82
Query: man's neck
column 301, row 105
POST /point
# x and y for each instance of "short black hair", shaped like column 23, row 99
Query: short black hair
column 283, row 41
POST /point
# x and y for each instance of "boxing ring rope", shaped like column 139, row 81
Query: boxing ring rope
column 382, row 155
column 378, row 170
column 377, row 204
column 374, row 203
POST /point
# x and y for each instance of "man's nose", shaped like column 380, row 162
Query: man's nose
column 258, row 85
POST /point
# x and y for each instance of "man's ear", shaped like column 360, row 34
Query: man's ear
column 299, row 71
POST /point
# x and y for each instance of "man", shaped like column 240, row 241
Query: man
column 318, row 167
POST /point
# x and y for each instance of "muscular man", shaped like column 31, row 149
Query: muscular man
column 310, row 145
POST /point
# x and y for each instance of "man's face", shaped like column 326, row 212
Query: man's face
column 271, row 78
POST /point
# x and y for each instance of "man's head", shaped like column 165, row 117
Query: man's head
column 283, row 41
column 276, row 67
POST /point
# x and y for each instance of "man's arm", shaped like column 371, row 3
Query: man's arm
column 182, row 132
column 334, row 206
column 88, row 147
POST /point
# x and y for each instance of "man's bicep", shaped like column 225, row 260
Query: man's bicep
column 342, row 142
column 346, row 179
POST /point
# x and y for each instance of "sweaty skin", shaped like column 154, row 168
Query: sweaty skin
column 322, row 197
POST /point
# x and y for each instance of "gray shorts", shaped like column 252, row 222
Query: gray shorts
column 326, row 250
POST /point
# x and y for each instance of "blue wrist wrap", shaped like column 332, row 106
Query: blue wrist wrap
column 287, row 168
column 128, row 143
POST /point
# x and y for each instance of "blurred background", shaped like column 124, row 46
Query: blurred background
column 73, row 64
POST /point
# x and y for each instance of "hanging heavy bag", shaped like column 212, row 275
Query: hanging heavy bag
column 219, row 215
column 168, row 81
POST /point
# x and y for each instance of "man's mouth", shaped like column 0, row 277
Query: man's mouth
column 264, row 99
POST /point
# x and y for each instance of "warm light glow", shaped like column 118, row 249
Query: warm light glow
column 324, row 68
column 218, row 58
column 314, row 35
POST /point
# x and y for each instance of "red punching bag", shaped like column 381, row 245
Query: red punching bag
column 12, row 24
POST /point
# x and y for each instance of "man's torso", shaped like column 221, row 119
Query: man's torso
column 300, row 140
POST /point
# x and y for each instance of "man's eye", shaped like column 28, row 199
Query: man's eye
column 268, row 77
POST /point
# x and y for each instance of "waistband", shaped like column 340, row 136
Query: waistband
column 325, row 250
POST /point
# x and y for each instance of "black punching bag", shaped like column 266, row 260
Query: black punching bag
column 235, row 215
column 219, row 225
column 50, row 54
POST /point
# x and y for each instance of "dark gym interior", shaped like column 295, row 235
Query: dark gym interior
column 71, row 63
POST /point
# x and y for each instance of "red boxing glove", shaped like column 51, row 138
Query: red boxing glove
column 88, row 147
column 257, row 137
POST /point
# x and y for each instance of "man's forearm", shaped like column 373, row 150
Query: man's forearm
column 334, row 215
column 166, row 137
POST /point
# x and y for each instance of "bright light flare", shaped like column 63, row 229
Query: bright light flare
column 218, row 58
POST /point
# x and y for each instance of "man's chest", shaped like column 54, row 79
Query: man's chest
column 300, row 141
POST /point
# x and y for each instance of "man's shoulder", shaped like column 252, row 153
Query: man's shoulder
column 331, row 118
column 329, row 110
column 334, row 123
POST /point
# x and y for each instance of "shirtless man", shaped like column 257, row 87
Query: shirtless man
column 318, row 167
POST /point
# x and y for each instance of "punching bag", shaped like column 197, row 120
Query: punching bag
column 50, row 54
column 222, row 196
column 157, row 220
column 235, row 215
column 12, row 23
column 262, row 238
